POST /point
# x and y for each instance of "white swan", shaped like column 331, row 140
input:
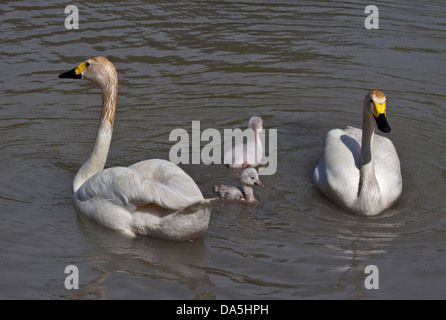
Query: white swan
column 248, row 154
column 249, row 178
column 359, row 170
column 153, row 197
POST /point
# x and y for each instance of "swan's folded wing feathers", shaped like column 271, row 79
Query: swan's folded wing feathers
column 171, row 175
column 333, row 176
column 129, row 188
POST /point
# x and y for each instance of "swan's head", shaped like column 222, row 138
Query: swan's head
column 255, row 123
column 250, row 177
column 375, row 103
column 97, row 69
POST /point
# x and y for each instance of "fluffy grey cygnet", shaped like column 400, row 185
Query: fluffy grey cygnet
column 249, row 178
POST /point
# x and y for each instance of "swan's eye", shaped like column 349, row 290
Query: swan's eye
column 88, row 64
column 371, row 100
column 252, row 178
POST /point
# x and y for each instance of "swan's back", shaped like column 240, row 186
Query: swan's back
column 169, row 174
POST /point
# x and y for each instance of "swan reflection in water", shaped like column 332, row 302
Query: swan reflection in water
column 145, row 259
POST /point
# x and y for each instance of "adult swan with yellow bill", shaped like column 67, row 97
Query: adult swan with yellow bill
column 152, row 197
column 360, row 171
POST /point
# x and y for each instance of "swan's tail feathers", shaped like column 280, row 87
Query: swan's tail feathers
column 186, row 224
column 200, row 204
column 189, row 223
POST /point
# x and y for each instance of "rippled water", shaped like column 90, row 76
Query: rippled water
column 303, row 67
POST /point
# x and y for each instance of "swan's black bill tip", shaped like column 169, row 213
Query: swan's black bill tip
column 381, row 121
column 70, row 75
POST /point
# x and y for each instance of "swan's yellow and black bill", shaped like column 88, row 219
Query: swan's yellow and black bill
column 379, row 108
column 70, row 74
column 75, row 73
column 379, row 112
column 382, row 124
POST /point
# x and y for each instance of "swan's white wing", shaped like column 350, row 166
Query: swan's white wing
column 337, row 173
column 153, row 197
column 130, row 189
column 170, row 175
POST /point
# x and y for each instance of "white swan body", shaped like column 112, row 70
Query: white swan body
column 248, row 154
column 358, row 170
column 153, row 197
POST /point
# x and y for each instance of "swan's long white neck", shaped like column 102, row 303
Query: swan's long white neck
column 98, row 156
column 369, row 194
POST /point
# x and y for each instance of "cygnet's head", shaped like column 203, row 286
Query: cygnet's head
column 375, row 104
column 255, row 123
column 250, row 177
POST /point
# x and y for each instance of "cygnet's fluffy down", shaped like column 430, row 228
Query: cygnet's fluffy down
column 249, row 178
